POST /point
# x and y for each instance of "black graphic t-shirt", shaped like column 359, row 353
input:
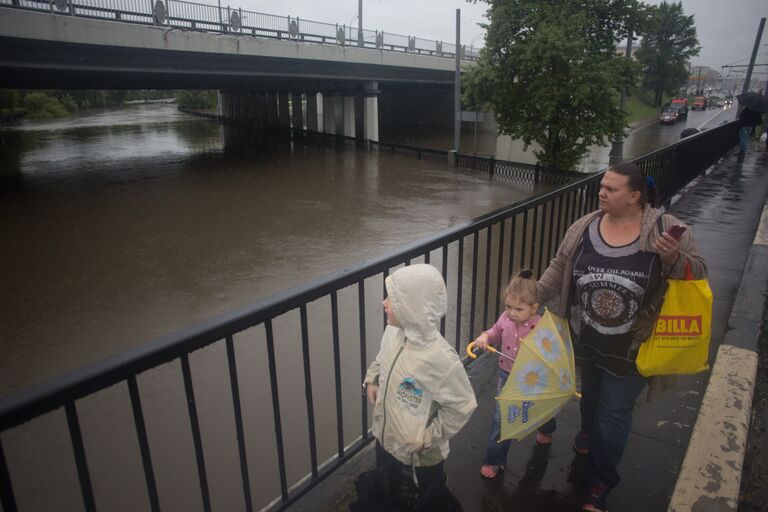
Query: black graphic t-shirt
column 610, row 285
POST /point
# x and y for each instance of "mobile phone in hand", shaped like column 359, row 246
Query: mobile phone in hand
column 676, row 231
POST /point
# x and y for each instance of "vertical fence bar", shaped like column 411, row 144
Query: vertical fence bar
column 473, row 298
column 575, row 193
column 337, row 372
column 533, row 238
column 308, row 389
column 488, row 240
column 558, row 233
column 195, row 432
column 235, row 386
column 445, row 279
column 499, row 269
column 276, row 409
column 580, row 197
column 512, row 232
column 141, row 434
column 458, row 292
column 385, row 274
column 524, row 234
column 76, row 437
column 7, row 499
column 363, row 357
column 543, row 236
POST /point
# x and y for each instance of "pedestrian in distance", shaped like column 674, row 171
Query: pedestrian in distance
column 518, row 319
column 748, row 120
column 420, row 393
column 606, row 274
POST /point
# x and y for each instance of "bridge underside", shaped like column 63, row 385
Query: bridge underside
column 31, row 64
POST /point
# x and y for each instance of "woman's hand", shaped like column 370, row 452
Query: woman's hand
column 372, row 390
column 668, row 248
column 482, row 342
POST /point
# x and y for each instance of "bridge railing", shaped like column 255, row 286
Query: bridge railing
column 259, row 405
column 237, row 21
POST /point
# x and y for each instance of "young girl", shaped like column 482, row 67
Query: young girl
column 518, row 319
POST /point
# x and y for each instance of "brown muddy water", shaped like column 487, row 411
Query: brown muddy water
column 123, row 225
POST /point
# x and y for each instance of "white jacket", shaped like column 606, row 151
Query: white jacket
column 424, row 396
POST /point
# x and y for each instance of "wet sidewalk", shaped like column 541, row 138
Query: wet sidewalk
column 724, row 209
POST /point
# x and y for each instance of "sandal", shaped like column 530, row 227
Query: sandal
column 490, row 471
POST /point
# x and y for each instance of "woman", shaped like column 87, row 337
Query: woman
column 608, row 266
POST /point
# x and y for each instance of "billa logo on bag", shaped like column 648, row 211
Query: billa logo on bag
column 678, row 326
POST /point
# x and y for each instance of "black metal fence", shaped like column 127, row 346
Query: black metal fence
column 224, row 19
column 258, row 405
column 511, row 171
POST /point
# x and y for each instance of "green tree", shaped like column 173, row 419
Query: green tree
column 42, row 105
column 550, row 72
column 667, row 45
column 9, row 99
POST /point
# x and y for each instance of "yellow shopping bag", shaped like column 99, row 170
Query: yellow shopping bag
column 680, row 341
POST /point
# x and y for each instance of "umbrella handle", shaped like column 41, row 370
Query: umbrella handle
column 471, row 350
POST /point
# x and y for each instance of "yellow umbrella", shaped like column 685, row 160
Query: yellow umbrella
column 542, row 379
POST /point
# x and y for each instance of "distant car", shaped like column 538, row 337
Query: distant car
column 728, row 103
column 699, row 103
column 669, row 116
column 680, row 105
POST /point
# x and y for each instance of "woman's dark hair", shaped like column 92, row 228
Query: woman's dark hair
column 637, row 181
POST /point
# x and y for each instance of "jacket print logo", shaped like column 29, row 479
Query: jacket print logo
column 409, row 395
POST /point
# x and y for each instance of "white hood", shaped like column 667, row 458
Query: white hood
column 419, row 300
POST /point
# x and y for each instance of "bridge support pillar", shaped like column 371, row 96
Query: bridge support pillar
column 283, row 110
column 338, row 114
column 272, row 119
column 329, row 114
column 312, row 99
column 371, row 112
column 262, row 121
column 219, row 103
column 297, row 118
column 349, row 116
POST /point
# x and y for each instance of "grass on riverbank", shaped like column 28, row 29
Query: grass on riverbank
column 640, row 105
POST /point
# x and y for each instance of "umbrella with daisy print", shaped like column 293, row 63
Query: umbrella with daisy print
column 542, row 379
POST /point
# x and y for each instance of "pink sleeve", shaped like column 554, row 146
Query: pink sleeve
column 494, row 333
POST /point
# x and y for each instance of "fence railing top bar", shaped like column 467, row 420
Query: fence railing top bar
column 19, row 407
column 722, row 127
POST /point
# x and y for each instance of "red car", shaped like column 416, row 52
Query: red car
column 669, row 116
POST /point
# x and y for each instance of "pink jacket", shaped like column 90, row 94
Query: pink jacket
column 509, row 334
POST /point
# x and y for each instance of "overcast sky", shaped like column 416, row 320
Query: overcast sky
column 726, row 28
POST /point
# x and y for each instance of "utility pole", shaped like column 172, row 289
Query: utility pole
column 745, row 87
column 457, row 86
column 617, row 149
column 360, row 40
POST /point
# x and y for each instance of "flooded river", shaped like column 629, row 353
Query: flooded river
column 123, row 225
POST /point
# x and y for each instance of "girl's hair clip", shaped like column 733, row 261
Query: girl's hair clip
column 526, row 274
column 650, row 182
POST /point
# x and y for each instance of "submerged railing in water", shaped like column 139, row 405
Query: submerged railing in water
column 339, row 312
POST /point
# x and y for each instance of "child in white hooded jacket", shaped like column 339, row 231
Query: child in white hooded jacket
column 419, row 390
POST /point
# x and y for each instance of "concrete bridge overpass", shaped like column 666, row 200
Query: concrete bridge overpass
column 49, row 50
